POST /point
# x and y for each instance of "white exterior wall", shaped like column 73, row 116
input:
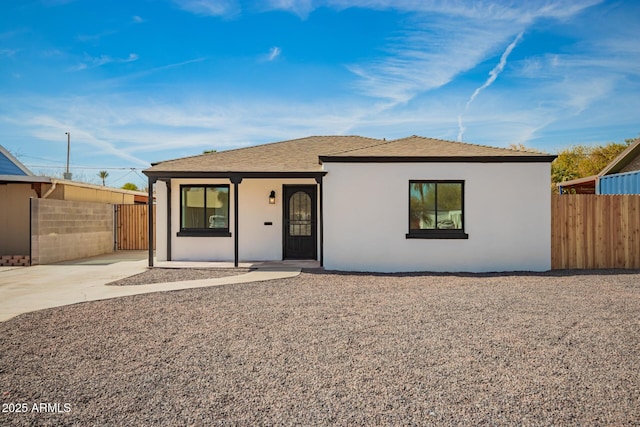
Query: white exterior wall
column 161, row 221
column 256, row 241
column 507, row 215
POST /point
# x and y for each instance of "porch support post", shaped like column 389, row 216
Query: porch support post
column 235, row 180
column 150, row 181
column 168, row 184
column 319, row 181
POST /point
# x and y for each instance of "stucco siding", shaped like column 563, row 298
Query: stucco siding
column 256, row 241
column 14, row 218
column 507, row 216
column 93, row 194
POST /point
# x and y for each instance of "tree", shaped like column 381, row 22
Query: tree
column 580, row 161
column 130, row 186
column 209, row 151
column 521, row 147
column 103, row 175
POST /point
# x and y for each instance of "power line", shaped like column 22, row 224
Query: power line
column 37, row 158
column 83, row 167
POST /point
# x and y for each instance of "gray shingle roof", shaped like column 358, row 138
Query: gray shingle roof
column 307, row 154
column 419, row 146
column 296, row 155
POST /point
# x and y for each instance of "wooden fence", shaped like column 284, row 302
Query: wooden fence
column 132, row 224
column 595, row 231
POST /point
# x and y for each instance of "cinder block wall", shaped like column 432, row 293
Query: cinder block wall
column 64, row 230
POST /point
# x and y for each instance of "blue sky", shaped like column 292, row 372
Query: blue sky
column 140, row 81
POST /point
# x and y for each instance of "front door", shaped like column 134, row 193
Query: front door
column 300, row 230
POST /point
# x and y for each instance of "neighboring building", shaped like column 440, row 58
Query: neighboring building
column 359, row 204
column 621, row 176
column 18, row 185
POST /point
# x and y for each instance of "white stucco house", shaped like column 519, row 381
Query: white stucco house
column 358, row 204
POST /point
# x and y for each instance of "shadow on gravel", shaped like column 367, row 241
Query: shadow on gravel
column 551, row 273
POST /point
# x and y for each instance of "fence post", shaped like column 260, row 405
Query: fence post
column 115, row 227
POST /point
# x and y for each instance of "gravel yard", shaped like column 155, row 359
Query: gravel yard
column 336, row 349
column 164, row 275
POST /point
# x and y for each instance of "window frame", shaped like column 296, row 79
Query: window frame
column 436, row 233
column 205, row 232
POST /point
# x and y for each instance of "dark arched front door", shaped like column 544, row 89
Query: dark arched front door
column 300, row 219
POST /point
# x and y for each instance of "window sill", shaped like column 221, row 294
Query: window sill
column 203, row 233
column 438, row 235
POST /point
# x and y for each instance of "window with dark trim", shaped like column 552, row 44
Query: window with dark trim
column 204, row 210
column 436, row 210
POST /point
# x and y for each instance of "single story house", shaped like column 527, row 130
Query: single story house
column 358, row 204
column 621, row 176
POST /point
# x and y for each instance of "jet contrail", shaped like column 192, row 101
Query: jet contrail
column 493, row 75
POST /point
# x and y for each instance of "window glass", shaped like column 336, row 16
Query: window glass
column 435, row 205
column 205, row 207
column 423, row 206
column 449, row 205
column 300, row 214
column 192, row 204
column 218, row 207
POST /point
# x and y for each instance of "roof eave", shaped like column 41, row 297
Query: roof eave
column 229, row 174
column 27, row 179
column 439, row 159
column 578, row 181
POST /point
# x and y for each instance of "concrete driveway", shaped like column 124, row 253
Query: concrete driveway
column 26, row 289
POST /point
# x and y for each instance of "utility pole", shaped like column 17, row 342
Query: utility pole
column 67, row 174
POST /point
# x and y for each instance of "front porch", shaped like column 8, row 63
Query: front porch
column 219, row 222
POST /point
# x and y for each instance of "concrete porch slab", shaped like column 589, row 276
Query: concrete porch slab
column 262, row 265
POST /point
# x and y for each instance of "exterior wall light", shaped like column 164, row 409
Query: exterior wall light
column 272, row 198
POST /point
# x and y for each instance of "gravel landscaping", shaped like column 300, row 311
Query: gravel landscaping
column 164, row 275
column 327, row 348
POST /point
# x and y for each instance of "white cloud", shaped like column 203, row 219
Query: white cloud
column 137, row 19
column 51, row 125
column 493, row 75
column 274, row 52
column 427, row 58
column 444, row 38
column 51, row 3
column 94, row 37
column 139, row 130
column 209, row 7
column 518, row 12
column 144, row 73
column 8, row 52
column 559, row 93
column 302, row 8
column 93, row 62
